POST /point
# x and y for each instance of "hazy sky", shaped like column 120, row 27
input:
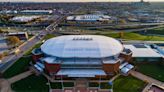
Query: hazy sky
column 76, row 0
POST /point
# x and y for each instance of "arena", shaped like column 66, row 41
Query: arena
column 82, row 56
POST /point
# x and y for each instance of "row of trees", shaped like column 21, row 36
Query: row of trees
column 12, row 42
column 2, row 55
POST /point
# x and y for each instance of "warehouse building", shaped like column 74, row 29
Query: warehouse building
column 103, row 19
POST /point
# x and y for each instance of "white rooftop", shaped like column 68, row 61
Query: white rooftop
column 146, row 51
column 82, row 46
column 24, row 18
column 70, row 17
column 49, row 11
column 89, row 17
column 13, row 33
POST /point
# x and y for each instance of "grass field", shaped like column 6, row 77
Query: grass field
column 58, row 85
column 153, row 70
column 18, row 67
column 31, row 84
column 93, row 84
column 122, row 84
column 128, row 84
column 37, row 84
column 22, row 64
column 48, row 36
column 133, row 36
column 158, row 31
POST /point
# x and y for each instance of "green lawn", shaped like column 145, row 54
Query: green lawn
column 31, row 84
column 39, row 84
column 105, row 85
column 21, row 65
column 18, row 67
column 153, row 70
column 128, row 84
column 58, row 85
column 93, row 84
column 49, row 36
column 122, row 84
column 133, row 36
column 159, row 31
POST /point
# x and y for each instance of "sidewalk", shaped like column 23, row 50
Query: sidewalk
column 6, row 83
column 4, row 86
column 146, row 78
column 20, row 76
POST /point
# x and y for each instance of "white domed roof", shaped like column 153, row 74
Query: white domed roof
column 82, row 46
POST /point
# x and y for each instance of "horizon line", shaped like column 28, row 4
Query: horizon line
column 72, row 1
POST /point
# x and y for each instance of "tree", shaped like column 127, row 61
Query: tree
column 13, row 41
column 1, row 31
column 6, row 53
column 122, row 21
column 121, row 34
column 1, row 56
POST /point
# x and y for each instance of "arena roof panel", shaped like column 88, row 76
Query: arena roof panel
column 66, row 47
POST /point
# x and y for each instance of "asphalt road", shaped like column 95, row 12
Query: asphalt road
column 8, row 61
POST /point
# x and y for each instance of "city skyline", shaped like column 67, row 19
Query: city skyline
column 79, row 0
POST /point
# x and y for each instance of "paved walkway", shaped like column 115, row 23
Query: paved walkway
column 20, row 76
column 113, row 78
column 81, row 85
column 146, row 78
column 5, row 83
column 146, row 88
column 4, row 86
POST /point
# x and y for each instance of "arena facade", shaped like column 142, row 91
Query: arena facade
column 82, row 56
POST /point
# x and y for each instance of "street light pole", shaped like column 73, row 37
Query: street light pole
column 112, row 88
column 49, row 85
column 62, row 83
column 111, row 83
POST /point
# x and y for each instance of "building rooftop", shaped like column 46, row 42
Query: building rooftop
column 24, row 18
column 82, row 46
column 142, row 50
column 14, row 33
column 89, row 17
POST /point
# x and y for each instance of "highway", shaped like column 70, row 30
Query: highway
column 121, row 25
column 8, row 61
